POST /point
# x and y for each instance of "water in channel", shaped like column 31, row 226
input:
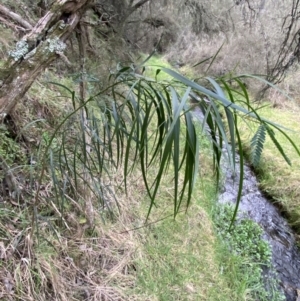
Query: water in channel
column 255, row 206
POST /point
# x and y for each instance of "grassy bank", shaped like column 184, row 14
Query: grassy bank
column 276, row 177
column 94, row 144
column 122, row 257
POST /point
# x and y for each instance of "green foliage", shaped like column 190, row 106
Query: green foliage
column 257, row 144
column 139, row 122
column 250, row 253
column 245, row 238
column 278, row 145
column 10, row 150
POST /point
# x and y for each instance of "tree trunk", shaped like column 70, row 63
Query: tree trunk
column 36, row 50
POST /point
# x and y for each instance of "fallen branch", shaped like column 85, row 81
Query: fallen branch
column 12, row 25
column 15, row 17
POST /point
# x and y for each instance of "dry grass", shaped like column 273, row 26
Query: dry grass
column 80, row 268
column 70, row 265
column 238, row 54
column 250, row 35
column 109, row 262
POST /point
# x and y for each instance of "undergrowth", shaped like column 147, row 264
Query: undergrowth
column 83, row 229
column 61, row 242
column 247, row 256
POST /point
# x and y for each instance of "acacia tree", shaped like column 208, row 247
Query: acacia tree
column 138, row 121
column 126, row 120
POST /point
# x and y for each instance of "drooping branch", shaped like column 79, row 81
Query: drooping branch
column 37, row 50
column 15, row 17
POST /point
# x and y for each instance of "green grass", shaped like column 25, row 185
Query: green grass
column 177, row 259
column 177, row 262
column 244, row 255
column 195, row 257
column 185, row 259
column 276, row 177
column 151, row 67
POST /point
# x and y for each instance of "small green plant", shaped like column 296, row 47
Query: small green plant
column 10, row 151
column 245, row 238
column 46, row 136
column 252, row 254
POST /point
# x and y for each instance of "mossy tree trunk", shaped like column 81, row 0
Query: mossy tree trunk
column 36, row 50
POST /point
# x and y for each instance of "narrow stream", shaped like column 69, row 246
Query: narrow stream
column 253, row 205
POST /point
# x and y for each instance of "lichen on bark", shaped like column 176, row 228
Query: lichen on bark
column 41, row 46
column 20, row 50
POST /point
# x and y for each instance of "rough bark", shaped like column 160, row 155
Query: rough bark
column 41, row 46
